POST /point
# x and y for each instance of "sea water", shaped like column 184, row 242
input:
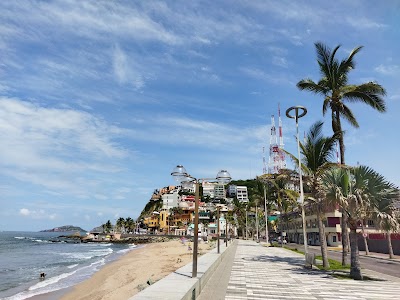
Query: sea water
column 24, row 255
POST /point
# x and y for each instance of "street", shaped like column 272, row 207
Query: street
column 377, row 262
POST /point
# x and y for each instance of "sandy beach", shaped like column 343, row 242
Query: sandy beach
column 129, row 274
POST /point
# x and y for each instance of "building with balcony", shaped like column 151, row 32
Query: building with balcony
column 171, row 199
column 292, row 225
column 219, row 191
column 238, row 191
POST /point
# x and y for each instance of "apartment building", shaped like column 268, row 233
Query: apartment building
column 238, row 191
column 292, row 225
column 171, row 199
column 219, row 191
column 208, row 189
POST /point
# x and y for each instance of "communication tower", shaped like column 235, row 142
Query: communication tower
column 277, row 159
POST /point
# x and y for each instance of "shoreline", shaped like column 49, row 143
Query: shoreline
column 130, row 273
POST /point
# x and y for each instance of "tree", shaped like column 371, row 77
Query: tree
column 120, row 224
column 129, row 224
column 359, row 191
column 266, row 189
column 337, row 92
column 386, row 216
column 317, row 151
column 107, row 227
column 239, row 213
column 280, row 193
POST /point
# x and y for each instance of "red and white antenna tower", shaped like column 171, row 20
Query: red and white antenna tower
column 277, row 160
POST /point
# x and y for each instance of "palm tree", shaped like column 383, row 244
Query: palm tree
column 239, row 213
column 360, row 191
column 385, row 215
column 280, row 193
column 129, row 224
column 337, row 92
column 107, row 226
column 266, row 190
column 120, row 224
column 317, row 151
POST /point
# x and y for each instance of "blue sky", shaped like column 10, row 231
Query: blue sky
column 99, row 100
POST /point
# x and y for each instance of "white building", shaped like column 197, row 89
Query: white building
column 171, row 199
column 238, row 191
column 189, row 187
column 208, row 189
column 241, row 193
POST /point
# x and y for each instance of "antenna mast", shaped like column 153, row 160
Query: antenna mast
column 277, row 160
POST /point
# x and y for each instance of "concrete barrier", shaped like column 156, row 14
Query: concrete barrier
column 180, row 284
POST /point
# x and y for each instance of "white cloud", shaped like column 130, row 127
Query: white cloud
column 279, row 61
column 126, row 70
column 364, row 23
column 119, row 64
column 55, row 147
column 263, row 76
column 388, row 69
column 24, row 212
column 37, row 214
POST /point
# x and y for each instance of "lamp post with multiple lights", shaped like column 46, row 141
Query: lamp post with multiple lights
column 180, row 174
column 218, row 229
column 299, row 111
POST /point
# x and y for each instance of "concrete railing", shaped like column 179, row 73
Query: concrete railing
column 180, row 284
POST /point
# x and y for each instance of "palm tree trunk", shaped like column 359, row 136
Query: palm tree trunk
column 322, row 239
column 345, row 240
column 337, row 128
column 365, row 238
column 355, row 268
column 389, row 240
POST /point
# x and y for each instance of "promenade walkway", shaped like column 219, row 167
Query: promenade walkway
column 259, row 272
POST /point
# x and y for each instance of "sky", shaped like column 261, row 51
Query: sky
column 100, row 100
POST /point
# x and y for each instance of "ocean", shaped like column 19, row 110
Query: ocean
column 24, row 255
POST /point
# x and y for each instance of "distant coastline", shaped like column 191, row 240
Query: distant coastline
column 65, row 228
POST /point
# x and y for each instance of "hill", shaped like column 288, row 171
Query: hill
column 64, row 228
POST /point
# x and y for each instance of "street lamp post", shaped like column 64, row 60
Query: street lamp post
column 218, row 208
column 266, row 217
column 300, row 111
column 256, row 223
column 180, row 174
column 246, row 223
column 226, row 229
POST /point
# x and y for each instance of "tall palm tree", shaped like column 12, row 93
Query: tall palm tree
column 317, row 152
column 337, row 92
column 239, row 213
column 359, row 191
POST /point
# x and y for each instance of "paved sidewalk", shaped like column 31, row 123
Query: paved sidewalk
column 274, row 273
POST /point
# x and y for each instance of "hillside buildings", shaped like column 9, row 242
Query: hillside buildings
column 176, row 215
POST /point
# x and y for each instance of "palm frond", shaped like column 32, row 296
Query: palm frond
column 368, row 93
column 349, row 116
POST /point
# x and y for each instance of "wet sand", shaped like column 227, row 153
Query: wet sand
column 130, row 273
